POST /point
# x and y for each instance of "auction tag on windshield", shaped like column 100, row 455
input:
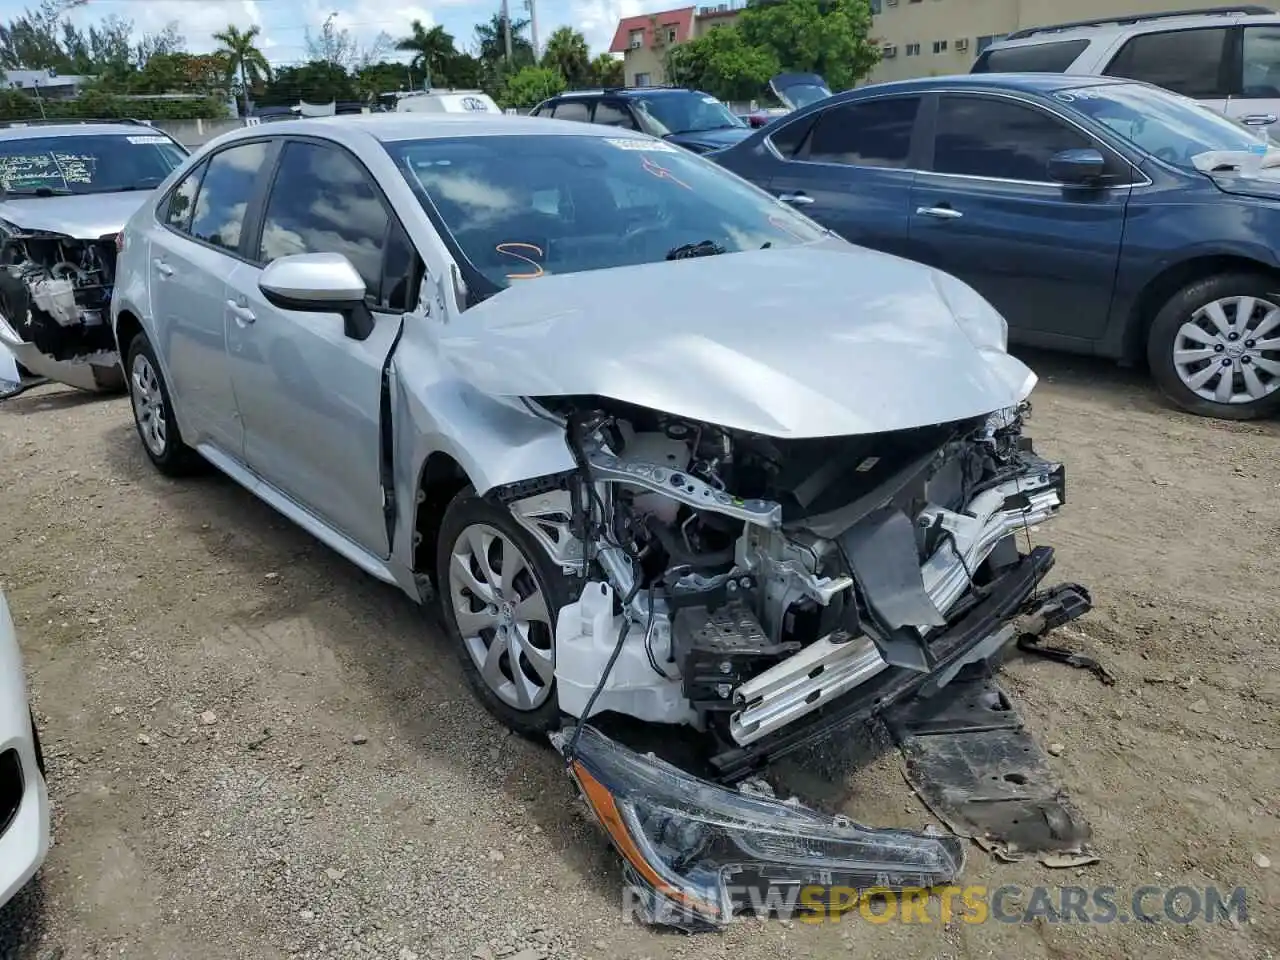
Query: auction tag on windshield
column 630, row 143
column 151, row 139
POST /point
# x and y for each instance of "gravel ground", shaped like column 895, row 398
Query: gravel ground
column 257, row 751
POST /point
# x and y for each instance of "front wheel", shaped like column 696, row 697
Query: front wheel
column 500, row 595
column 1214, row 348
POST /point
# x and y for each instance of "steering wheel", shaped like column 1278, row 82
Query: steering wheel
column 1168, row 154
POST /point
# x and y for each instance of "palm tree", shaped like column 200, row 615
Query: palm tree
column 567, row 52
column 491, row 39
column 607, row 71
column 243, row 56
column 432, row 49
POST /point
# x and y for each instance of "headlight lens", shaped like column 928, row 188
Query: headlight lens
column 696, row 853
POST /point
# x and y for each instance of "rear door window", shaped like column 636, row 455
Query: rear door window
column 866, row 133
column 1053, row 57
column 572, row 110
column 1193, row 63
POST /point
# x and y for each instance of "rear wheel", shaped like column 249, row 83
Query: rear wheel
column 1214, row 348
column 153, row 412
column 500, row 595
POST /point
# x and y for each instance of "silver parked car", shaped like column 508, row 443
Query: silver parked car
column 662, row 445
column 66, row 189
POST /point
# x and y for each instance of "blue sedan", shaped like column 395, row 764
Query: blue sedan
column 1099, row 215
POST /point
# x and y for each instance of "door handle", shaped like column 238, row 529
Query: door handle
column 241, row 312
column 939, row 213
column 796, row 199
column 162, row 268
column 1259, row 119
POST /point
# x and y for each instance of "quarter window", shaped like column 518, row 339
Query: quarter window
column 182, row 201
column 322, row 202
column 1190, row 62
column 572, row 110
column 228, row 183
column 982, row 137
column 1053, row 57
column 872, row 133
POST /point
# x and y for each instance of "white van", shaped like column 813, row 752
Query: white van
column 447, row 101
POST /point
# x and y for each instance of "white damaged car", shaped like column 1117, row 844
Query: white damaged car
column 662, row 447
column 24, row 798
column 66, row 189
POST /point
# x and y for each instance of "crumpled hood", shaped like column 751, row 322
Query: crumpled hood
column 86, row 217
column 826, row 340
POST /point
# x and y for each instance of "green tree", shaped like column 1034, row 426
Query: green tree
column 492, row 42
column 34, row 41
column 830, row 37
column 243, row 57
column 432, row 50
column 722, row 63
column 319, row 81
column 531, row 85
column 567, row 53
column 607, row 71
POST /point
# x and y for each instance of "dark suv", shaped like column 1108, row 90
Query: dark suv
column 689, row 118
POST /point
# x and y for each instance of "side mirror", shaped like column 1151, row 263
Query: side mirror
column 1077, row 168
column 321, row 283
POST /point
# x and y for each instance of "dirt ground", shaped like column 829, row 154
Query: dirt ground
column 257, row 751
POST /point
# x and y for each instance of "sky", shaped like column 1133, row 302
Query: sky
column 284, row 22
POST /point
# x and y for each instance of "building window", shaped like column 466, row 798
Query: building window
column 636, row 39
column 939, row 46
column 913, row 49
column 984, row 42
column 670, row 30
column 642, row 80
column 913, row 1
column 875, row 7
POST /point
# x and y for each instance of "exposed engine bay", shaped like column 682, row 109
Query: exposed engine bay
column 755, row 580
column 55, row 299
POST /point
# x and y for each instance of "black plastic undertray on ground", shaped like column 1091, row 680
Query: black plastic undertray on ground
column 969, row 757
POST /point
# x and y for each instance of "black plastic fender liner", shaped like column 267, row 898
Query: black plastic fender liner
column 1005, row 598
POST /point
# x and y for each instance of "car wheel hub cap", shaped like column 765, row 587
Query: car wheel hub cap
column 502, row 616
column 148, row 405
column 1229, row 351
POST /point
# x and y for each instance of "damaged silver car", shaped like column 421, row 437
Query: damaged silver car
column 663, row 448
column 66, row 189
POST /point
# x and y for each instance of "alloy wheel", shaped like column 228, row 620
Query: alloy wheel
column 502, row 616
column 1229, row 351
column 148, row 405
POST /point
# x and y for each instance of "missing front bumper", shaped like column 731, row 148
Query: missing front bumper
column 697, row 854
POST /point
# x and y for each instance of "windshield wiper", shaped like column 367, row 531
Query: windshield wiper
column 703, row 248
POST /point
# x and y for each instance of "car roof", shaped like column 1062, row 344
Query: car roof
column 390, row 127
column 1152, row 23
column 1026, row 82
column 72, row 128
column 626, row 92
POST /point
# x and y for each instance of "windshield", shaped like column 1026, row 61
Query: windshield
column 94, row 163
column 520, row 208
column 1172, row 127
column 689, row 112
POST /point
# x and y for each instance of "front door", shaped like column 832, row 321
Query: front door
column 310, row 396
column 1257, row 102
column 852, row 172
column 1042, row 253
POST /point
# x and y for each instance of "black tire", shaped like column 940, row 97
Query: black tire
column 467, row 511
column 170, row 454
column 1164, row 337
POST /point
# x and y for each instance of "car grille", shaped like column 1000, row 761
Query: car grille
column 11, row 787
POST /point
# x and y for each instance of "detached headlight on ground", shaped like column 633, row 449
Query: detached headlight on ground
column 697, row 853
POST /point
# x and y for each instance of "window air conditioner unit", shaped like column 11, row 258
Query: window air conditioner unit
column 891, row 3
column 962, row 44
column 889, row 50
column 636, row 44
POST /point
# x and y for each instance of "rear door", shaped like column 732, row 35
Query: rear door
column 1195, row 62
column 191, row 253
column 851, row 171
column 985, row 210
